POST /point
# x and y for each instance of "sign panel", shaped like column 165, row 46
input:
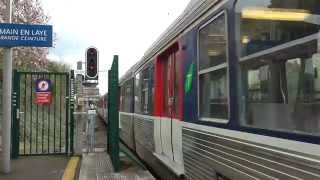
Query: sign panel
column 43, row 91
column 13, row 35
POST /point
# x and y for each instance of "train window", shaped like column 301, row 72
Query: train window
column 280, row 85
column 126, row 96
column 122, row 98
column 143, row 91
column 214, row 95
column 213, row 82
column 212, row 43
column 151, row 92
column 268, row 23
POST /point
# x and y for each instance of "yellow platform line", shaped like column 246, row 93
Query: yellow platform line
column 70, row 171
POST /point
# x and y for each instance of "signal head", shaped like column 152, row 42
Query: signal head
column 92, row 64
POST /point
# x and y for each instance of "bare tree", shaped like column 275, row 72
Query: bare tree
column 27, row 12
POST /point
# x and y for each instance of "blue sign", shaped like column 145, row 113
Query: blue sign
column 12, row 35
column 43, row 85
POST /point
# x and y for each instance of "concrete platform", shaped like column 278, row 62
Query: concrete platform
column 94, row 165
column 97, row 165
column 37, row 167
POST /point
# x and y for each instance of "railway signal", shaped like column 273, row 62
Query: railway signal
column 91, row 64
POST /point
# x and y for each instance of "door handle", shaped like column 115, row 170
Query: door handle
column 19, row 113
column 170, row 101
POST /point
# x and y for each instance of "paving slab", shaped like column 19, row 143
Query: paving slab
column 36, row 168
column 98, row 166
column 95, row 164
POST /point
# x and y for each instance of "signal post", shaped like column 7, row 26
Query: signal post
column 91, row 93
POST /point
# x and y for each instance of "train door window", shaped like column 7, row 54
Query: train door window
column 280, row 84
column 137, row 94
column 213, row 78
column 177, row 86
column 172, row 90
column 166, row 94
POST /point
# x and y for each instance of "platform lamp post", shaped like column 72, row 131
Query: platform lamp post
column 6, row 99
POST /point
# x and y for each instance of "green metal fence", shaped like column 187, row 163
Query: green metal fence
column 113, row 114
column 1, row 103
column 40, row 129
column 72, row 107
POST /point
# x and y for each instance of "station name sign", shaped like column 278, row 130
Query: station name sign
column 13, row 35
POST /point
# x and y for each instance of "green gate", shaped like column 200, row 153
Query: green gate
column 40, row 129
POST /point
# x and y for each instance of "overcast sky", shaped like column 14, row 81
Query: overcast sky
column 122, row 27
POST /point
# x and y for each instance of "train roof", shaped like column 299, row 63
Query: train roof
column 192, row 12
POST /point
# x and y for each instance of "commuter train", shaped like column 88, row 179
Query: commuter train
column 231, row 90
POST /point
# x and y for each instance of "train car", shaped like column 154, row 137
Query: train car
column 231, row 90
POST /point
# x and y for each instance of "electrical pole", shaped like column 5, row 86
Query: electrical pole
column 6, row 98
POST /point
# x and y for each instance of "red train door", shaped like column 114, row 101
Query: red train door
column 169, row 105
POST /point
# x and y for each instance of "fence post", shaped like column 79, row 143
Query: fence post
column 113, row 115
column 108, row 114
column 72, row 104
column 67, row 112
column 15, row 115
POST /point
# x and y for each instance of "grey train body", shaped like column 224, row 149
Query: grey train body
column 230, row 91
